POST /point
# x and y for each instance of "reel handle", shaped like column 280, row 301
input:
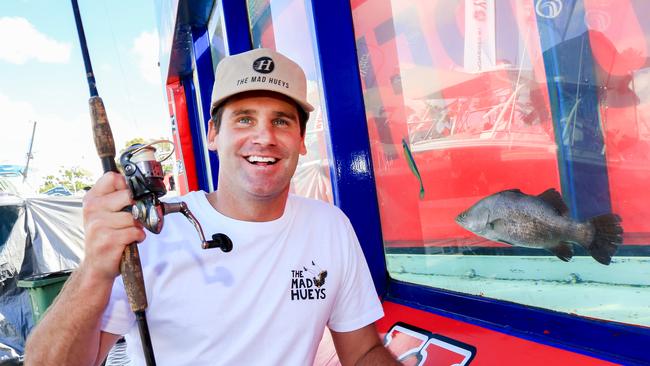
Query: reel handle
column 218, row 240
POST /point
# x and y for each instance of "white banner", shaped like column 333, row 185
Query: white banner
column 480, row 35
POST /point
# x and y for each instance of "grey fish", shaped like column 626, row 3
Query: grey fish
column 542, row 221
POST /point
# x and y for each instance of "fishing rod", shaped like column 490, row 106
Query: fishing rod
column 130, row 266
column 145, row 178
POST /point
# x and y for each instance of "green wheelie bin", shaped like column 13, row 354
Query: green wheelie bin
column 43, row 289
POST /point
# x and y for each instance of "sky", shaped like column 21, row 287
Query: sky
column 42, row 79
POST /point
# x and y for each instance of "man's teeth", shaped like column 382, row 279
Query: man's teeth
column 261, row 159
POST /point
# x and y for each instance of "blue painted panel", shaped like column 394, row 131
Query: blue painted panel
column 573, row 92
column 205, row 75
column 353, row 182
column 195, row 129
column 606, row 340
column 236, row 27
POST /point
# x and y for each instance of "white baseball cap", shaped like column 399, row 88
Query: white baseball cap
column 259, row 69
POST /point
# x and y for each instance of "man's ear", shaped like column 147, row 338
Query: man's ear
column 303, row 148
column 212, row 136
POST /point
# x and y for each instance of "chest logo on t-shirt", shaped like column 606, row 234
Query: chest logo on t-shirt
column 308, row 283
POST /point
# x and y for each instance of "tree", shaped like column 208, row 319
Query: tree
column 74, row 179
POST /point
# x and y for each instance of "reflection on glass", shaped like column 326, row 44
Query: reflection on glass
column 215, row 30
column 282, row 25
column 465, row 99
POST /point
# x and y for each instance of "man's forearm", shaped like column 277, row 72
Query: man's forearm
column 69, row 332
column 378, row 355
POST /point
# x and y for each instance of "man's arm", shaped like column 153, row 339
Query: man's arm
column 362, row 347
column 69, row 333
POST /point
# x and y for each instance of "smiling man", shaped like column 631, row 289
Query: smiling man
column 259, row 137
column 296, row 266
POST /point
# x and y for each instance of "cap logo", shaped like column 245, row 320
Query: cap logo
column 263, row 65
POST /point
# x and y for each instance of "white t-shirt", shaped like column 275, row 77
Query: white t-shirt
column 266, row 302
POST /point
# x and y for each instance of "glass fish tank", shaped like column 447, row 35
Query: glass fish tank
column 510, row 145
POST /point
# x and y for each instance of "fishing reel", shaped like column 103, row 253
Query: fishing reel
column 145, row 177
